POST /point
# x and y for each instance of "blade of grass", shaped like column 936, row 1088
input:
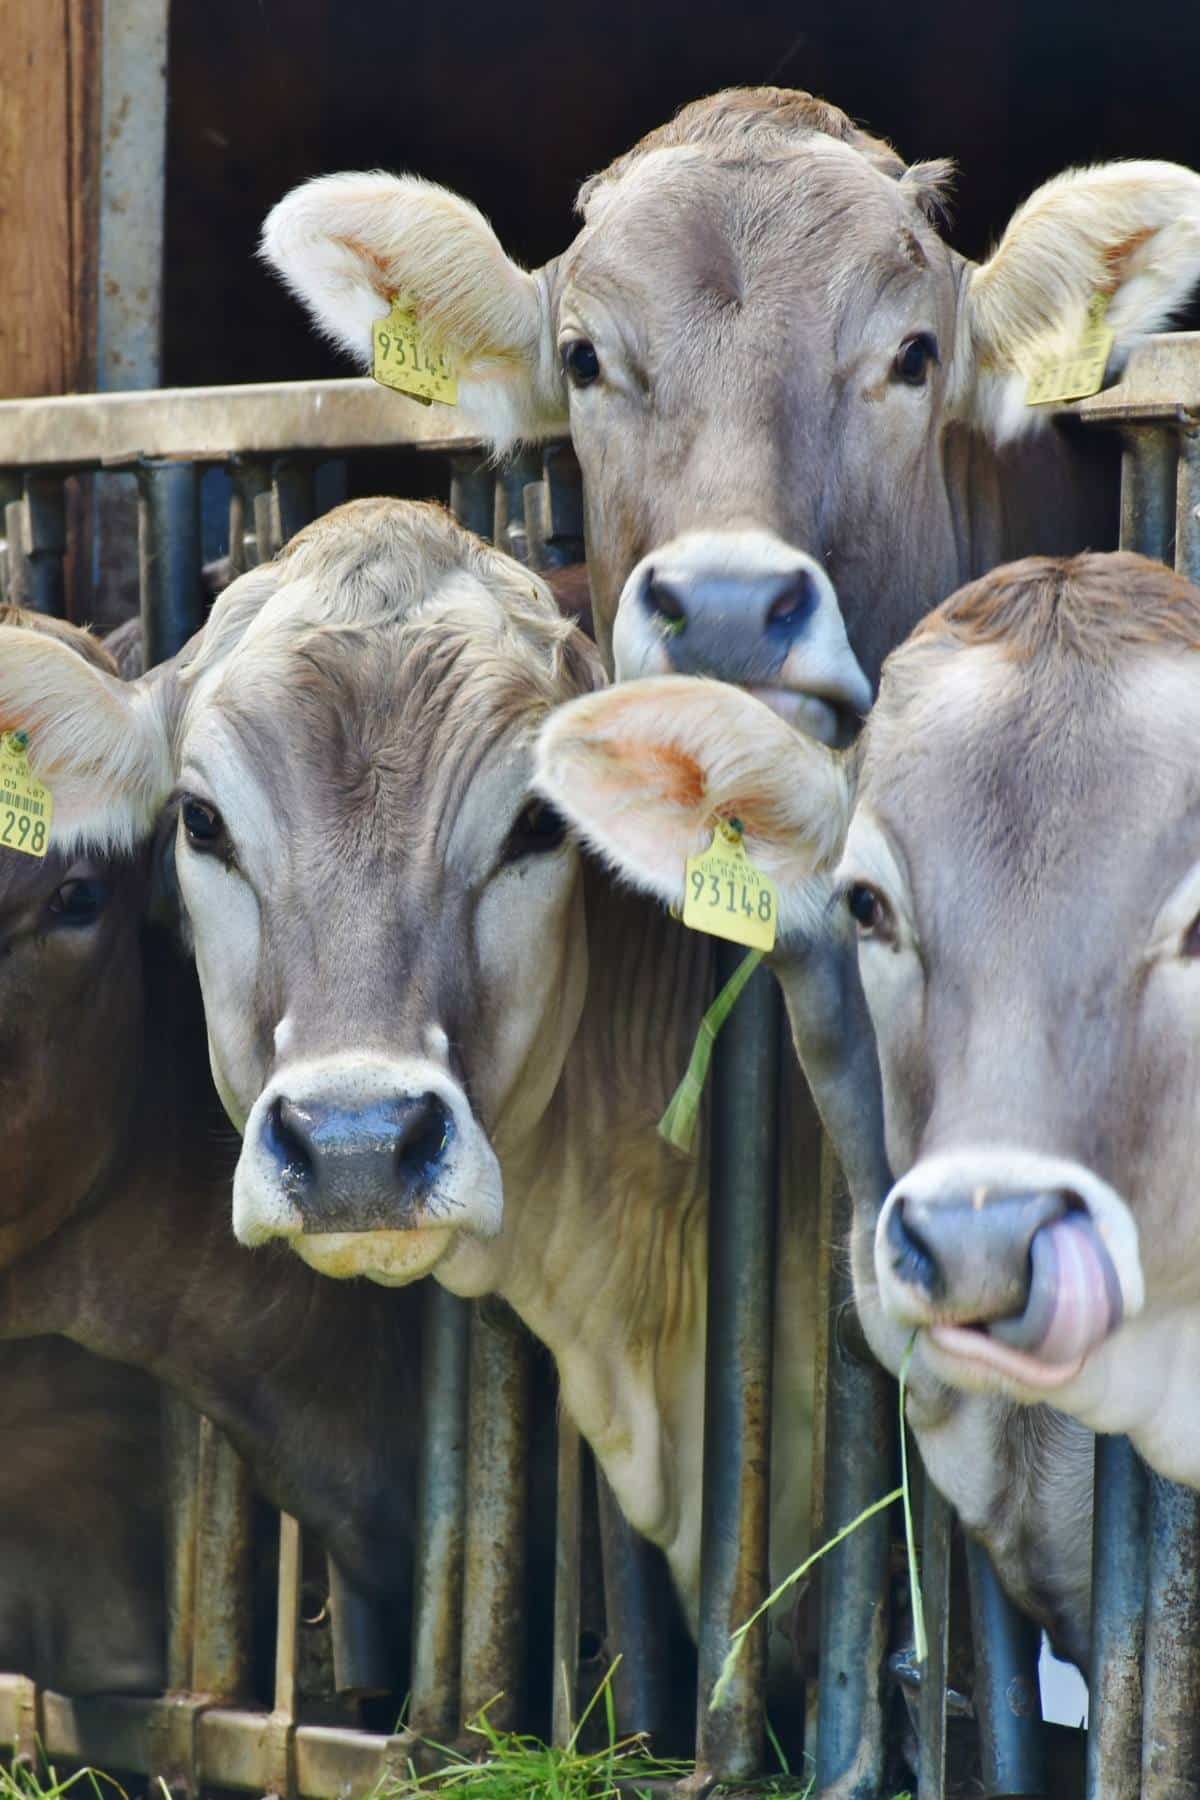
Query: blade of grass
column 920, row 1641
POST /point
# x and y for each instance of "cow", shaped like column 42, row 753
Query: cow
column 1030, row 746
column 115, row 1172
column 445, row 1040
column 800, row 415
column 81, row 1511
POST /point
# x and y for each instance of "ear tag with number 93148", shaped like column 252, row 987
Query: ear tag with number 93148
column 406, row 361
column 727, row 896
column 26, row 806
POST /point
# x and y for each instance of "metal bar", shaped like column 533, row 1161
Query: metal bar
column 295, row 482
column 288, row 1616
column 730, row 1744
column 512, row 478
column 90, row 431
column 46, row 543
column 181, row 1462
column 936, row 1530
column 568, row 1537
column 16, row 557
column 473, row 494
column 493, row 1638
column 362, row 1664
column 859, row 1459
column 1119, row 1516
column 633, row 1578
column 249, row 477
column 1148, row 492
column 133, row 144
column 169, row 557
column 1187, row 506
column 1007, row 1693
column 222, row 1631
column 1171, row 1703
column 441, row 1517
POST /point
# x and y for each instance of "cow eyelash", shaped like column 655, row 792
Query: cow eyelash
column 536, row 830
column 870, row 911
column 203, row 826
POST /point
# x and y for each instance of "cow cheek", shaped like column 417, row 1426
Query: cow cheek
column 1156, row 1170
column 894, row 989
column 532, row 956
column 227, row 933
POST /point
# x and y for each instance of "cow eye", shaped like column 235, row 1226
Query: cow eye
column 203, row 825
column 868, row 909
column 80, row 901
column 580, row 362
column 538, row 828
column 914, row 357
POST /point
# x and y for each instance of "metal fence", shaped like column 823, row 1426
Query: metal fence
column 468, row 1622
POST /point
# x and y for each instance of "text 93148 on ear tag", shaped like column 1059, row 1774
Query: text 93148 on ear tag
column 727, row 896
column 1078, row 376
column 26, row 807
column 404, row 360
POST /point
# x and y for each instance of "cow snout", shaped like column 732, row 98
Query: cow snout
column 358, row 1168
column 745, row 607
column 968, row 1255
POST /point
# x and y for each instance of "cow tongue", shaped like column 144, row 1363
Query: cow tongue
column 1074, row 1302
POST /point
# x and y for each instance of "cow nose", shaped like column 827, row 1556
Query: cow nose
column 968, row 1256
column 726, row 625
column 370, row 1167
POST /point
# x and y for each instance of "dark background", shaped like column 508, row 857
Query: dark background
column 515, row 104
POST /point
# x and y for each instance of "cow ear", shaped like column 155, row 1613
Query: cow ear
column 1128, row 233
column 347, row 245
column 101, row 745
column 643, row 770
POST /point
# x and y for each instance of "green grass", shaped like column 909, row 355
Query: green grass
column 22, row 1782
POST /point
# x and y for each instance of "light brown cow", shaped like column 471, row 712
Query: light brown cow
column 446, row 1040
column 645, row 770
column 799, row 413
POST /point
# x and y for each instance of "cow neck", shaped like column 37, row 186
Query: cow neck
column 1052, row 494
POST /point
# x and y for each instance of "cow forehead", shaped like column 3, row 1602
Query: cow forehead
column 819, row 211
column 1005, row 785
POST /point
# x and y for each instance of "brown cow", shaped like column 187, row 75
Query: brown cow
column 794, row 405
column 115, row 1172
column 446, row 1041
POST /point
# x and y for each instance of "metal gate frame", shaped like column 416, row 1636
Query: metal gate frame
column 467, row 1629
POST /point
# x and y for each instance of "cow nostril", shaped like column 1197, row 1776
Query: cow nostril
column 791, row 605
column 912, row 1260
column 422, row 1138
column 664, row 602
column 288, row 1142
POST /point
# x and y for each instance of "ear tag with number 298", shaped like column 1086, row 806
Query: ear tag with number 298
column 26, row 806
column 727, row 896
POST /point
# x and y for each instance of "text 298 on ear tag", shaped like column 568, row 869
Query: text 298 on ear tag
column 727, row 896
column 26, row 805
column 406, row 361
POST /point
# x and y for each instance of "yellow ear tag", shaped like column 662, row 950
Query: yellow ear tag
column 406, row 362
column 26, row 807
column 727, row 896
column 1059, row 379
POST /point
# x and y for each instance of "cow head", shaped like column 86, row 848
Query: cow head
column 70, row 987
column 1021, row 868
column 381, row 910
column 768, row 358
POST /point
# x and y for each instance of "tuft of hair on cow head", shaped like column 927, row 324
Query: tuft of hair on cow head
column 349, row 245
column 1124, row 235
column 644, row 770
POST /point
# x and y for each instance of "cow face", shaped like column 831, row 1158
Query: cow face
column 383, row 915
column 776, row 374
column 1020, row 869
column 70, row 1005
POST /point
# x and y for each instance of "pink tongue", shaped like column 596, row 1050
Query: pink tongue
column 1084, row 1297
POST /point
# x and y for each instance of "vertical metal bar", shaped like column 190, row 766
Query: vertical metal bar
column 442, row 1477
column 936, row 1528
column 222, row 1633
column 1148, row 491
column 1171, row 1703
column 493, row 1640
column 362, row 1665
column 295, row 483
column 633, row 1579
column 730, row 1743
column 1007, row 1692
column 1120, row 1505
column 133, row 142
column 512, row 478
column 249, row 476
column 472, row 494
column 859, row 1459
column 1187, row 506
column 288, row 1617
column 16, row 559
column 46, row 533
column 181, row 1464
column 169, row 556
column 568, row 1539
